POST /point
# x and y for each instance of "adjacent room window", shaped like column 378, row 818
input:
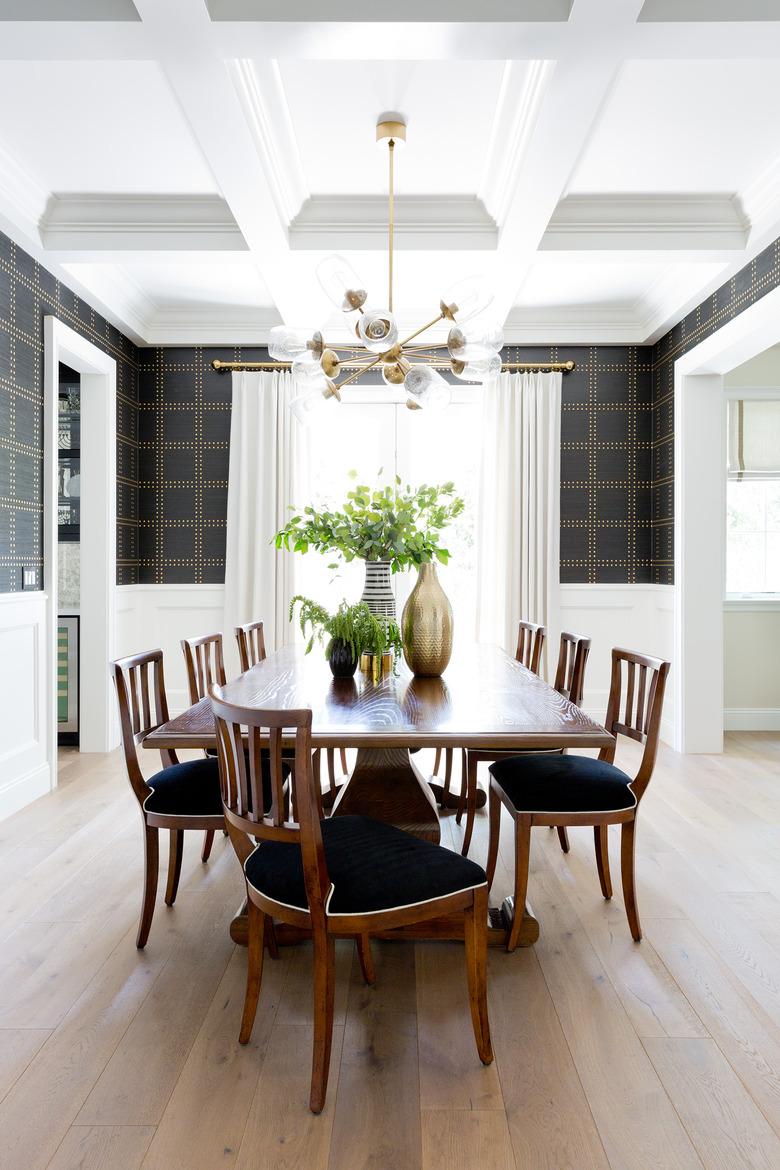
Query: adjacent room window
column 753, row 498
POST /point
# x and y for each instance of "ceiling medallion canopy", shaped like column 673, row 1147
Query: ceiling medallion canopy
column 471, row 351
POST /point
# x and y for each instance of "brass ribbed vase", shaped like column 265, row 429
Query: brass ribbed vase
column 426, row 626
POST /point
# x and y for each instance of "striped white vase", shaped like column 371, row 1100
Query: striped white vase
column 378, row 590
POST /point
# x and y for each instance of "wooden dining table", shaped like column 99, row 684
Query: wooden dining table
column 485, row 700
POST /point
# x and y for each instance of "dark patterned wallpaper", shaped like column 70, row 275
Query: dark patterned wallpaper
column 28, row 293
column 184, row 432
column 751, row 283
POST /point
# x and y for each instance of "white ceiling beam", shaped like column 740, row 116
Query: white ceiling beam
column 203, row 87
column 150, row 223
column 427, row 222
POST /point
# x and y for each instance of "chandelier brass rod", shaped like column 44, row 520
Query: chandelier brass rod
column 553, row 367
column 390, row 228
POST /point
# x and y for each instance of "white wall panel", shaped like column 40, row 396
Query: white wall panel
column 24, row 771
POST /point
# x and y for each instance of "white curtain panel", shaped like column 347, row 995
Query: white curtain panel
column 518, row 514
column 268, row 474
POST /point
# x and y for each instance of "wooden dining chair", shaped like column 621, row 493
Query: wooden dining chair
column 179, row 797
column 549, row 789
column 251, row 650
column 205, row 663
column 530, row 643
column 347, row 876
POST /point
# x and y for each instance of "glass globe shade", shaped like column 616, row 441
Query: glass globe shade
column 285, row 343
column 426, row 388
column 477, row 370
column 341, row 284
column 377, row 330
column 467, row 297
column 480, row 340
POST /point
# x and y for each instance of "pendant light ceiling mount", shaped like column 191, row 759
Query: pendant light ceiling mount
column 471, row 352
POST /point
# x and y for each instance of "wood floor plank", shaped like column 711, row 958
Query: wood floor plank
column 295, row 1006
column 204, row 1120
column 103, row 1147
column 451, row 1074
column 727, row 1128
column 138, row 1080
column 550, row 1121
column 17, row 1048
column 377, row 1117
column 456, row 1139
column 281, row 1133
column 43, row 1103
column 649, row 994
column 637, row 1123
column 743, row 1032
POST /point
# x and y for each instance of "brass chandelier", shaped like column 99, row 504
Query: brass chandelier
column 471, row 352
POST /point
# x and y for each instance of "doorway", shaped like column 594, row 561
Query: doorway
column 97, row 532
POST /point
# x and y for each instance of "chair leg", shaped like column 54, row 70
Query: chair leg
column 522, row 863
column 324, row 989
column 464, row 768
column 331, row 757
column 601, row 841
column 448, row 753
column 494, row 801
column 151, row 867
column 208, row 841
column 366, row 958
column 344, row 765
column 436, row 762
column 475, row 936
column 471, row 802
column 316, row 764
column 254, row 969
column 563, row 837
column 627, row 873
column 270, row 937
column 175, row 854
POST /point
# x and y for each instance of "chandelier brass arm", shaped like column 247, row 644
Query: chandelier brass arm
column 553, row 367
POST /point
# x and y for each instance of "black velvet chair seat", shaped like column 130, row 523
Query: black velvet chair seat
column 192, row 789
column 373, row 866
column 558, row 784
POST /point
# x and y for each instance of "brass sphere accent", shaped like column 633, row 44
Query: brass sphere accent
column 393, row 373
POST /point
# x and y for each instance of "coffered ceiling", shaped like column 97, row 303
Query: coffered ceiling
column 184, row 165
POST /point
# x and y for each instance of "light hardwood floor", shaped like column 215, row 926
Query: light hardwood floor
column 609, row 1055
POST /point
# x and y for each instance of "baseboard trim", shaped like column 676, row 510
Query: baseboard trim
column 751, row 718
column 20, row 792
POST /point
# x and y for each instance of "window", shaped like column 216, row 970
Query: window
column 369, row 433
column 753, row 498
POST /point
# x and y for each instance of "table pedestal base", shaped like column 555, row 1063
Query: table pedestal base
column 386, row 785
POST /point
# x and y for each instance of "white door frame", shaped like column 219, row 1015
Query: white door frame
column 700, row 527
column 98, row 732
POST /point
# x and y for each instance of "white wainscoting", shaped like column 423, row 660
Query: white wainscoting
column 635, row 617
column 159, row 616
column 24, row 769
column 639, row 617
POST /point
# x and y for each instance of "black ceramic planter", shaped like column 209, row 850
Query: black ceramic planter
column 342, row 664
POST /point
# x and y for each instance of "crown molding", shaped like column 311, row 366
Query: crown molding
column 646, row 222
column 575, row 325
column 428, row 222
column 20, row 193
column 219, row 326
column 264, row 104
column 522, row 89
column 140, row 223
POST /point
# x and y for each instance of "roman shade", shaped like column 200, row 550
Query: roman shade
column 754, row 438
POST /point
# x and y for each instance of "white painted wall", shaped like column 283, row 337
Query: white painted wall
column 24, row 767
column 752, row 667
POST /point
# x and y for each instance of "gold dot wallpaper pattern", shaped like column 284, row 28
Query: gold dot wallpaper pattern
column 28, row 293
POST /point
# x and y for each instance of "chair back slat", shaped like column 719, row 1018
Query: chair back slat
column 642, row 706
column 270, row 728
column 530, row 642
column 205, row 664
column 137, row 714
column 251, row 644
column 570, row 672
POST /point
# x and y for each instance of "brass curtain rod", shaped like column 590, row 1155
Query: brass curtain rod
column 562, row 367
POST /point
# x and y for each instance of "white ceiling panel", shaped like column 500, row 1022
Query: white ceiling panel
column 684, row 126
column 173, row 285
column 99, row 126
column 450, row 107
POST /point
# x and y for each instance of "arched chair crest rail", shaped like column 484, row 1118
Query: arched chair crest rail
column 251, row 650
column 347, row 876
column 180, row 796
column 567, row 789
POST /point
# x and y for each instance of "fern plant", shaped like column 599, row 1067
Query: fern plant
column 362, row 631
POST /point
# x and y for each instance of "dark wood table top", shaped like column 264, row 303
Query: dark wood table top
column 485, row 700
